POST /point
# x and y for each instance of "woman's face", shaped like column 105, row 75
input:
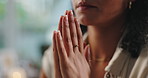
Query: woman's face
column 94, row 12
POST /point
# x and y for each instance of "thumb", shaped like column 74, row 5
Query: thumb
column 87, row 53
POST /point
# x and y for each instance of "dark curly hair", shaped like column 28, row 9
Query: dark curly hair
column 137, row 28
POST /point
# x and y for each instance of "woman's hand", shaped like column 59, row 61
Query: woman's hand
column 69, row 52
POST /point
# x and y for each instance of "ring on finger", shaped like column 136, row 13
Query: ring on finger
column 75, row 46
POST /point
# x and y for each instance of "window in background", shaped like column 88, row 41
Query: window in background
column 26, row 25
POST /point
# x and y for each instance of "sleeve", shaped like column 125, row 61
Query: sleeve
column 48, row 63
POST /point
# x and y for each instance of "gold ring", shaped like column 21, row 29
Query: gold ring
column 75, row 46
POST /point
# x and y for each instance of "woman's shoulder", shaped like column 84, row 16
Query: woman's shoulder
column 48, row 62
column 140, row 69
column 48, row 54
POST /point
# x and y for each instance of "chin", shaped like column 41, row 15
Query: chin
column 85, row 21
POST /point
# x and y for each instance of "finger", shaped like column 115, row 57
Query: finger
column 79, row 35
column 66, row 12
column 66, row 35
column 87, row 53
column 73, row 30
column 60, row 24
column 56, row 58
column 60, row 47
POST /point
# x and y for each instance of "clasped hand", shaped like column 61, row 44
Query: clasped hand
column 71, row 57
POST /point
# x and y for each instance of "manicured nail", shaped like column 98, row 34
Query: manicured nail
column 59, row 35
column 71, row 12
column 66, row 17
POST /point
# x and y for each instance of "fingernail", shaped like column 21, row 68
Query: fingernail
column 71, row 12
column 59, row 34
column 66, row 17
column 54, row 31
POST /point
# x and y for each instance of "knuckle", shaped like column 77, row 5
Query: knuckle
column 74, row 35
column 71, row 21
column 66, row 24
column 68, row 40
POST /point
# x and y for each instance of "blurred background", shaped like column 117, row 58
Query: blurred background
column 26, row 28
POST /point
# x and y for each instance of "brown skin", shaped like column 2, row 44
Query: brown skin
column 105, row 11
column 69, row 61
column 104, row 32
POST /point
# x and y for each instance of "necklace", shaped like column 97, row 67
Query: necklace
column 100, row 60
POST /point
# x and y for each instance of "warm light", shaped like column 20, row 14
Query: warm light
column 16, row 75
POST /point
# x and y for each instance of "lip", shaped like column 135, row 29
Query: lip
column 85, row 6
